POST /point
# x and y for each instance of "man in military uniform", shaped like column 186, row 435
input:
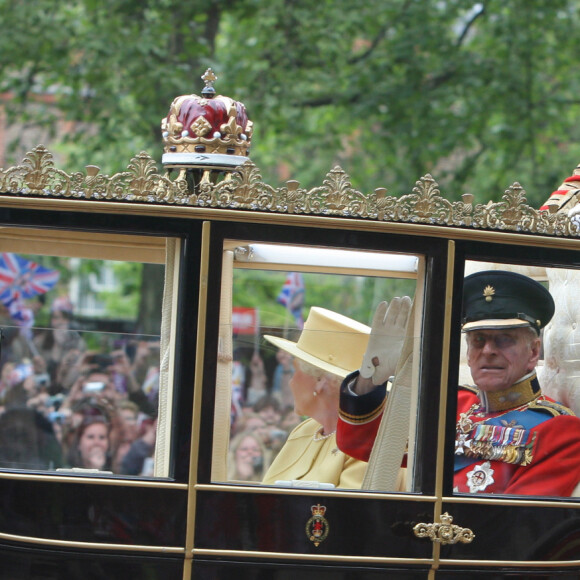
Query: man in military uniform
column 510, row 437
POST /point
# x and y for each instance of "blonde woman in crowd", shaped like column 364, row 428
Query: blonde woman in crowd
column 248, row 457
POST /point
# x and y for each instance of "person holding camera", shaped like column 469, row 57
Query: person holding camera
column 248, row 457
column 91, row 400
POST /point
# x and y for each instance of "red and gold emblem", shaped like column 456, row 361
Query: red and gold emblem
column 480, row 477
column 317, row 526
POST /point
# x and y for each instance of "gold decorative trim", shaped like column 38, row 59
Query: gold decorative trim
column 444, row 386
column 302, row 492
column 245, row 189
column 197, row 387
column 123, row 481
column 509, row 564
column 91, row 545
column 301, row 556
column 512, row 565
column 445, row 532
column 504, row 501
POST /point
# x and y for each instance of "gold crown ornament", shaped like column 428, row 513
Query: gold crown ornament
column 206, row 130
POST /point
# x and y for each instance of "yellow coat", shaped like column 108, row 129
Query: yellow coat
column 306, row 459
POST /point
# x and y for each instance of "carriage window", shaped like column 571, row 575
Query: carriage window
column 81, row 384
column 294, row 322
column 517, row 431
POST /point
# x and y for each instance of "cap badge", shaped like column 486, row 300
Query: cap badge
column 488, row 293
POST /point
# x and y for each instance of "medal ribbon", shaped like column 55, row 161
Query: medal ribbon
column 491, row 440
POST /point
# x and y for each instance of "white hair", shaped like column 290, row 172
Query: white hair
column 316, row 372
column 530, row 334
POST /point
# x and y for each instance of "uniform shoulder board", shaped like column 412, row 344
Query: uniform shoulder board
column 471, row 388
column 555, row 409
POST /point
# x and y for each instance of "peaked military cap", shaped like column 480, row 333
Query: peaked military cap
column 497, row 299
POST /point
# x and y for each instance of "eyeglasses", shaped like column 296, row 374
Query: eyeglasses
column 500, row 341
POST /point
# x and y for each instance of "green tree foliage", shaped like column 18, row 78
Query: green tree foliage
column 123, row 302
column 353, row 296
column 480, row 94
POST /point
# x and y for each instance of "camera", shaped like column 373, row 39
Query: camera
column 93, row 387
column 56, row 400
column 56, row 417
column 42, row 380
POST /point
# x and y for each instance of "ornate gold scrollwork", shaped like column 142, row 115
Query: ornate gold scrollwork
column 245, row 189
column 444, row 532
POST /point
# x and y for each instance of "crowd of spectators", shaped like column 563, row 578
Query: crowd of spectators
column 65, row 405
column 262, row 418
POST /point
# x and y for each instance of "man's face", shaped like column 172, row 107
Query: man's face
column 499, row 358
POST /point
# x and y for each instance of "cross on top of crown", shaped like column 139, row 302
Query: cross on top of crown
column 209, row 78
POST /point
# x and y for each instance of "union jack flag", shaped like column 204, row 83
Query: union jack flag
column 292, row 296
column 21, row 278
column 19, row 312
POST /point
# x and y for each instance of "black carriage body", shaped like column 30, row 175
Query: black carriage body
column 188, row 522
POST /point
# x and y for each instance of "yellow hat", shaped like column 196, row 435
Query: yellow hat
column 329, row 341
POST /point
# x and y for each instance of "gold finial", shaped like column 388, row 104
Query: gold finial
column 209, row 78
column 489, row 292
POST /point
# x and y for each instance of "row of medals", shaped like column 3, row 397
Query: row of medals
column 492, row 442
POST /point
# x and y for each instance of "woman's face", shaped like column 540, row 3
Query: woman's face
column 248, row 450
column 69, row 368
column 94, row 443
column 130, row 424
column 59, row 320
column 7, row 371
column 302, row 386
column 270, row 415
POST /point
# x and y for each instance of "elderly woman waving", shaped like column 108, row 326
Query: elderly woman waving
column 329, row 348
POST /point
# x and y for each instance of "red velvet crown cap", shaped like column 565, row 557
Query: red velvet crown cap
column 207, row 129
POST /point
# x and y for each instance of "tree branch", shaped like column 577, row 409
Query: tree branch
column 379, row 37
column 469, row 24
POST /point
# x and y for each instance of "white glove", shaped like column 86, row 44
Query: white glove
column 386, row 340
